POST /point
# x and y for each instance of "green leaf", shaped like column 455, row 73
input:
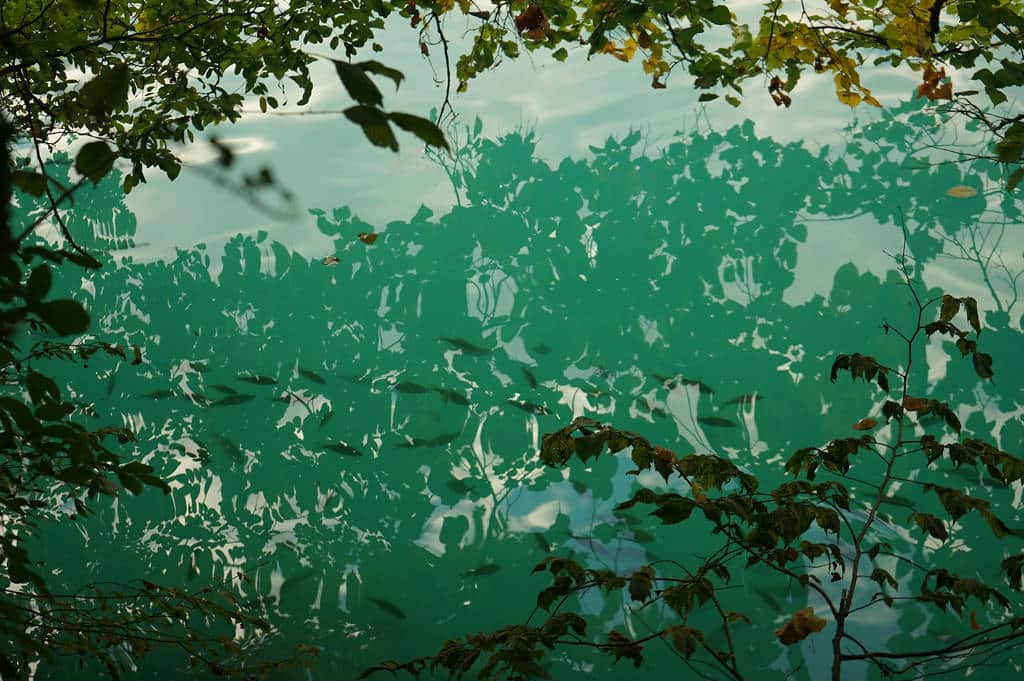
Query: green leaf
column 95, row 160
column 561, row 54
column 40, row 388
column 107, row 92
column 1015, row 177
column 971, row 305
column 720, row 15
column 358, row 85
column 374, row 123
column 707, row 97
column 378, row 69
column 421, row 127
column 39, row 282
column 65, row 316
column 950, row 306
column 29, row 182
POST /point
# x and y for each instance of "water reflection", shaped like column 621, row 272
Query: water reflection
column 361, row 437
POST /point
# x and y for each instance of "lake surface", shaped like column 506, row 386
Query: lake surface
column 361, row 437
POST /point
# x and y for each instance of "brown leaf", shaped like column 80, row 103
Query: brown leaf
column 424, row 50
column 865, row 424
column 532, row 22
column 368, row 237
column 803, row 623
column 331, row 260
column 974, row 621
column 914, row 403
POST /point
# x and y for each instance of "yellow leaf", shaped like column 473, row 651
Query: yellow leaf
column 865, row 424
column 803, row 623
column 961, row 191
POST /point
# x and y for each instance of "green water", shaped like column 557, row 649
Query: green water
column 368, row 468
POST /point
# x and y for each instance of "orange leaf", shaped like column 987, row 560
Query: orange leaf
column 368, row 237
column 865, row 424
column 974, row 621
column 914, row 403
column 803, row 623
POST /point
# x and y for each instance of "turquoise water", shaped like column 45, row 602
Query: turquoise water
column 361, row 438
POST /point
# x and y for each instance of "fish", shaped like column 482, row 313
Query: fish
column 743, row 399
column 197, row 366
column 111, row 382
column 542, row 349
column 409, row 387
column 313, row 376
column 452, row 396
column 897, row 500
column 326, row 417
column 542, row 542
column 466, row 346
column 578, row 486
column 437, row 441
column 769, row 600
column 529, row 407
column 642, row 537
column 530, row 378
column 230, row 400
column 483, row 570
column 230, row 447
column 388, row 607
column 660, row 413
column 342, row 448
column 717, row 422
column 703, row 387
column 258, row 380
column 158, row 394
column 227, row 390
column 199, row 398
column 281, row 399
column 291, row 582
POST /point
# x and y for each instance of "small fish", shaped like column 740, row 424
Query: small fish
column 227, row 390
column 199, row 398
column 111, row 382
column 342, row 448
column 642, row 537
column 660, row 413
column 530, row 378
column 326, row 417
column 388, row 607
column 483, row 570
column 158, row 394
column 897, row 500
column 291, row 582
column 282, row 399
column 578, row 486
column 744, row 399
column 769, row 600
column 452, row 396
column 661, row 377
column 437, row 441
column 197, row 366
column 542, row 349
column 313, row 376
column 542, row 542
column 258, row 380
column 231, row 400
column 466, row 346
column 409, row 387
column 230, row 447
column 331, row 260
column 529, row 407
column 717, row 422
column 703, row 387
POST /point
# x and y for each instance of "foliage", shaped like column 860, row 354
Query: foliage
column 134, row 76
column 52, row 465
column 822, row 535
column 724, row 46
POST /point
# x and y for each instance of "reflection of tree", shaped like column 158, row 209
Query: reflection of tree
column 644, row 289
